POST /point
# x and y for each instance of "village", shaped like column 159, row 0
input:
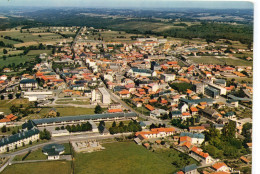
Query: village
column 153, row 89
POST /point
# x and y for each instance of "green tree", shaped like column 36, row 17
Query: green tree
column 45, row 135
column 3, row 129
column 114, row 124
column 98, row 109
column 229, row 130
column 5, row 51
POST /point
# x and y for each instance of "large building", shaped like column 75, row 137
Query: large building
column 105, row 96
column 18, row 140
column 82, row 119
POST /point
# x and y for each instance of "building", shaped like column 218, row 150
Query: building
column 53, row 151
column 156, row 133
column 220, row 166
column 83, row 118
column 168, row 77
column 28, row 84
column 157, row 113
column 198, row 154
column 190, row 169
column 105, row 96
column 19, row 139
column 197, row 129
column 196, row 138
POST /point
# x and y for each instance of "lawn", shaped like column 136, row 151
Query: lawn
column 63, row 167
column 35, row 155
column 125, row 157
column 6, row 104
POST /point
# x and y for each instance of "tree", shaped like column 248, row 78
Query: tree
column 18, row 95
column 114, row 124
column 2, row 97
column 5, row 51
column 58, row 114
column 45, row 135
column 98, row 109
column 3, row 129
column 229, row 130
column 101, row 126
column 10, row 96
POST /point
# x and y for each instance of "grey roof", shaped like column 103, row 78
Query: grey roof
column 53, row 149
column 189, row 168
column 238, row 98
column 142, row 70
column 209, row 111
column 19, row 136
column 192, row 135
column 24, row 81
column 176, row 113
column 28, row 125
column 197, row 101
column 82, row 117
column 215, row 91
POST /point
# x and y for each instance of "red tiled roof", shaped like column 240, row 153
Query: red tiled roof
column 114, row 110
column 149, row 107
column 218, row 165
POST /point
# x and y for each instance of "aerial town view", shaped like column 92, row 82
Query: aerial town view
column 136, row 87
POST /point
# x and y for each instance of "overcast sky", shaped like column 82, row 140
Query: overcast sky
column 129, row 3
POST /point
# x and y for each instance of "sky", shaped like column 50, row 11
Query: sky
column 129, row 3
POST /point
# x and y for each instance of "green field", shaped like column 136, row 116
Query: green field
column 6, row 104
column 40, row 167
column 220, row 61
column 126, row 157
column 38, row 52
column 16, row 60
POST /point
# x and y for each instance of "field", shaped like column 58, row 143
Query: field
column 220, row 61
column 64, row 111
column 16, row 60
column 41, row 167
column 6, row 104
column 38, row 52
column 126, row 157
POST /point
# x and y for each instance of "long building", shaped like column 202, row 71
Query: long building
column 19, row 139
column 83, row 118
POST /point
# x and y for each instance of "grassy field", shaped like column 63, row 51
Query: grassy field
column 41, row 167
column 64, row 111
column 16, row 60
column 38, row 52
column 30, row 38
column 6, row 104
column 220, row 61
column 126, row 157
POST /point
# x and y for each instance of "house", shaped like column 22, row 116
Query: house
column 244, row 159
column 156, row 133
column 176, row 114
column 28, row 83
column 183, row 107
column 185, row 115
column 114, row 110
column 7, row 119
column 220, row 166
column 19, row 139
column 158, row 113
column 197, row 153
column 197, row 129
column 193, row 110
column 52, row 112
column 53, row 151
column 196, row 138
column 208, row 112
column 190, row 169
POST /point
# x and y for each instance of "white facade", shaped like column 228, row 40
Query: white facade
column 105, row 96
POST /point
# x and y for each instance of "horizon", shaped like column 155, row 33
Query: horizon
column 122, row 4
